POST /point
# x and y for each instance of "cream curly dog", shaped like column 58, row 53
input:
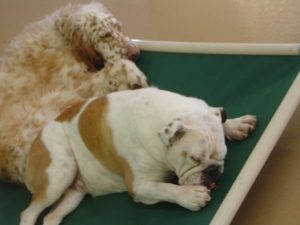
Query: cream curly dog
column 55, row 63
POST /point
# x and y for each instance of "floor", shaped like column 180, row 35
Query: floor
column 275, row 196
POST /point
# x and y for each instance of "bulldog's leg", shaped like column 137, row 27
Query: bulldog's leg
column 190, row 197
column 50, row 170
column 69, row 201
column 240, row 127
column 45, row 197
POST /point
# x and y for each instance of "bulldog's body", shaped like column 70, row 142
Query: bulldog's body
column 129, row 141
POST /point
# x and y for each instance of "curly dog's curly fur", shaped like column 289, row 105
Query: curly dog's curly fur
column 54, row 63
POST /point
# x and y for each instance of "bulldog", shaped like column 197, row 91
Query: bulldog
column 130, row 141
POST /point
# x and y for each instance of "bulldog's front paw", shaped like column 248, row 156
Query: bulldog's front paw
column 194, row 197
column 239, row 128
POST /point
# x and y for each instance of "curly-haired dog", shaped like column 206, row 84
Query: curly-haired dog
column 55, row 63
column 129, row 141
column 62, row 51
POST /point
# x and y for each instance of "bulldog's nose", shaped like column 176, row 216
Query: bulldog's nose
column 213, row 171
column 211, row 175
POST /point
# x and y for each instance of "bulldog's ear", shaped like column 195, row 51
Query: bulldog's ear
column 173, row 132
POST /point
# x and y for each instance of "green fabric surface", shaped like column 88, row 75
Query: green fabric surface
column 241, row 84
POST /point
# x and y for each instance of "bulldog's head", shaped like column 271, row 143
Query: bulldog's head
column 196, row 147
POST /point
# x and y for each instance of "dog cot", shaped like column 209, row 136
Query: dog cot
column 259, row 79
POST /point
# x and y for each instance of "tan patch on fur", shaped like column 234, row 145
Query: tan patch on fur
column 97, row 136
column 184, row 154
column 36, row 175
column 70, row 112
column 87, row 55
column 9, row 172
column 129, row 176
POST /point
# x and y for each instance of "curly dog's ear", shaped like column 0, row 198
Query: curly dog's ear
column 173, row 132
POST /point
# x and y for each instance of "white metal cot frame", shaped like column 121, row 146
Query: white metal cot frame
column 220, row 48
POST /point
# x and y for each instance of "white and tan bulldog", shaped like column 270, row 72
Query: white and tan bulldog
column 129, row 141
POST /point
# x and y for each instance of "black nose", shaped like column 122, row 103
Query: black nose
column 211, row 175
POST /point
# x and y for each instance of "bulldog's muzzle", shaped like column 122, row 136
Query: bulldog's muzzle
column 207, row 177
column 210, row 176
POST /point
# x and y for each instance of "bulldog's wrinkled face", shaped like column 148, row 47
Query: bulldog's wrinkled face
column 196, row 147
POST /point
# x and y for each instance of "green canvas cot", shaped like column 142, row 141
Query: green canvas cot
column 244, row 79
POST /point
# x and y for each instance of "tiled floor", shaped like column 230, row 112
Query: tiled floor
column 275, row 197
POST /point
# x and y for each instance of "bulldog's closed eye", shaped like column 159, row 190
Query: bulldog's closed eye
column 214, row 156
column 195, row 159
